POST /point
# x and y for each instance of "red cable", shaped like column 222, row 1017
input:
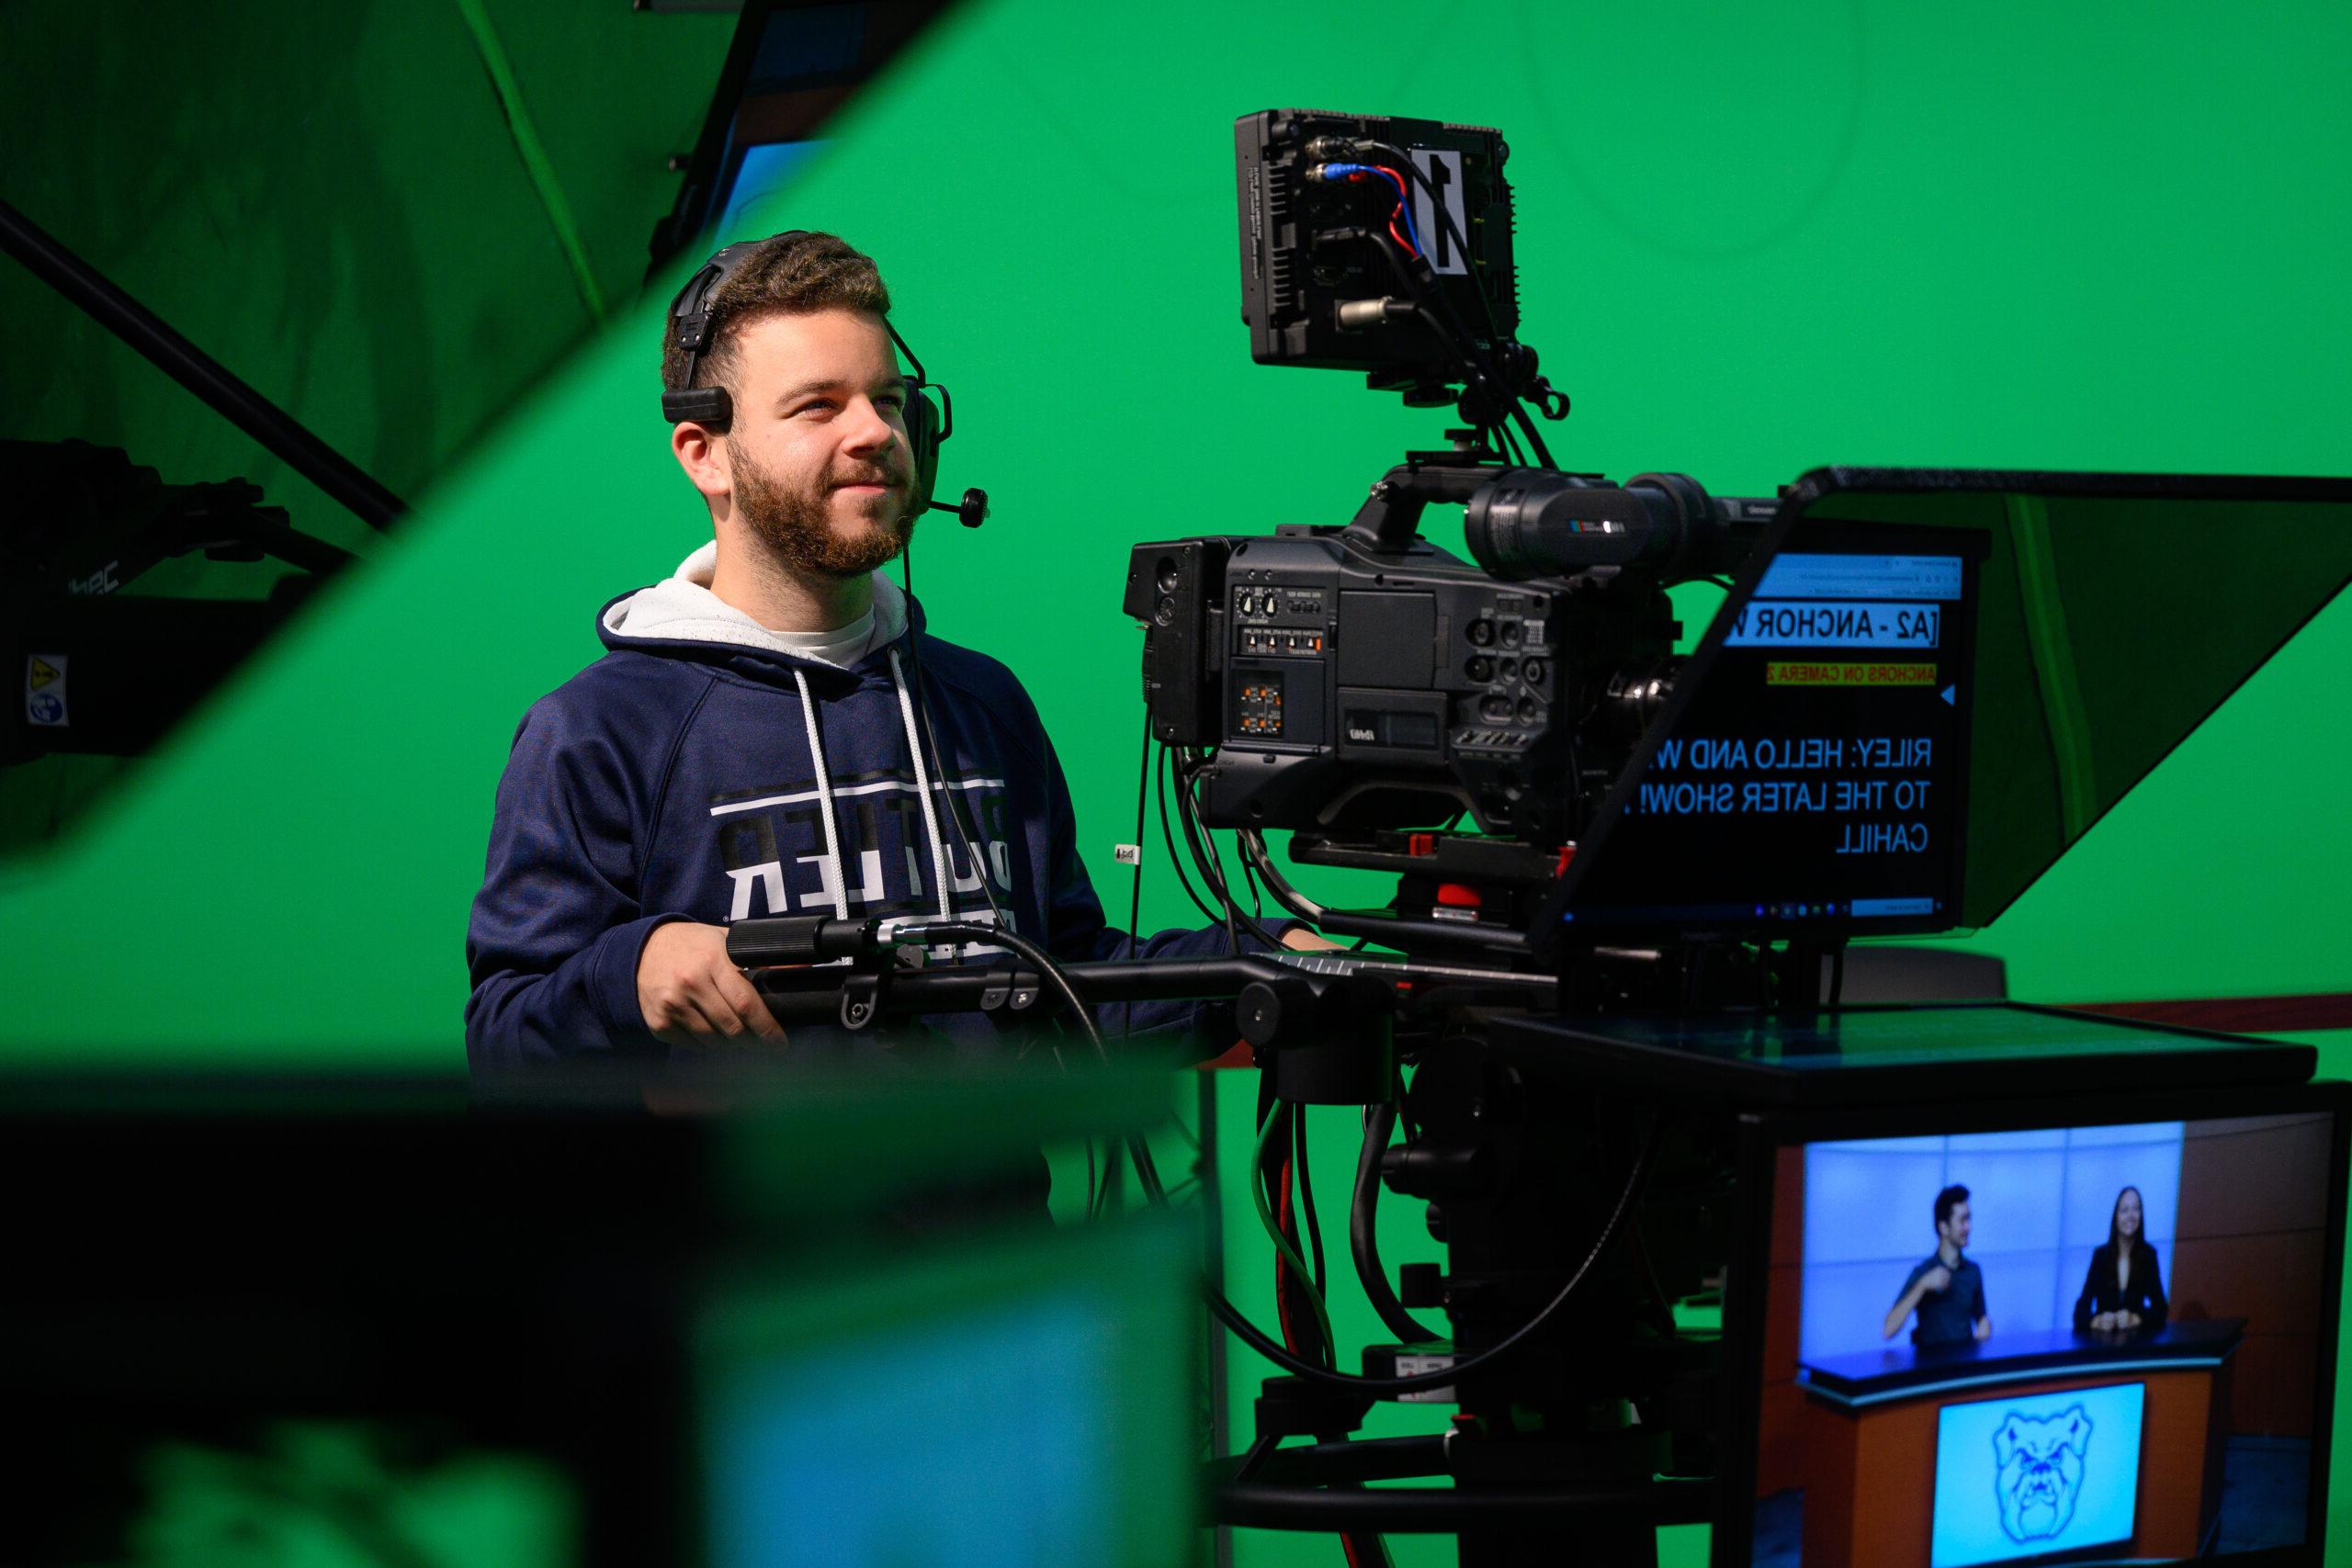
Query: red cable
column 1398, row 181
column 1283, row 1296
column 1284, row 1224
column 1285, row 1221
column 1394, row 213
column 1282, row 1221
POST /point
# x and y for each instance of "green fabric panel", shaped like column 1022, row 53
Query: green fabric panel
column 533, row 152
column 329, row 201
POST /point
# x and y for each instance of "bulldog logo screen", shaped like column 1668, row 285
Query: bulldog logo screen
column 2025, row 1478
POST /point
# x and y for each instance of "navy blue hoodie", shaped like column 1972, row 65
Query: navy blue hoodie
column 694, row 773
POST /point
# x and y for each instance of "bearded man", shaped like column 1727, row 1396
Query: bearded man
column 752, row 741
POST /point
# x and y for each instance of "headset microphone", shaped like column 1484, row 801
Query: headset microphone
column 971, row 512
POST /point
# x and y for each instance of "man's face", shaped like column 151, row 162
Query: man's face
column 1955, row 1228
column 818, row 451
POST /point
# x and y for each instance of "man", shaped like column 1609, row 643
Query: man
column 1947, row 1291
column 751, row 744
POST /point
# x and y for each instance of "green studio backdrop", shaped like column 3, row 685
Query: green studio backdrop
column 1751, row 240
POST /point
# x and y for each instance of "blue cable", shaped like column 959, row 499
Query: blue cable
column 1404, row 197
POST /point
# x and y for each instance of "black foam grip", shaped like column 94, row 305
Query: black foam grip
column 798, row 939
column 784, row 939
column 923, row 445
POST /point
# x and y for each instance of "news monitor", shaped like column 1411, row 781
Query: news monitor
column 1943, row 1364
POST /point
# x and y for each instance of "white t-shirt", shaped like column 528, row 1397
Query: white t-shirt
column 844, row 646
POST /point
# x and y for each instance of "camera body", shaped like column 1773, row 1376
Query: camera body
column 1345, row 688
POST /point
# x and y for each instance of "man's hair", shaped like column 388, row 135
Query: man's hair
column 791, row 274
column 1946, row 1200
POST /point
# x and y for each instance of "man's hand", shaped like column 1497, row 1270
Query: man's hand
column 1929, row 1281
column 1298, row 938
column 693, row 995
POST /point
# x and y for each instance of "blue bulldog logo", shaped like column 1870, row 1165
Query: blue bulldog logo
column 2040, row 1472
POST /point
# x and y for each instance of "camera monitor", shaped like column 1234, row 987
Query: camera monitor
column 2084, row 1340
column 1923, row 685
column 1336, row 207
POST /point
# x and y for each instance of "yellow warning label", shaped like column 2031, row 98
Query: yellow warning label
column 1802, row 672
column 40, row 674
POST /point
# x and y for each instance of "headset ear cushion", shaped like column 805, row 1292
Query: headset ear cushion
column 923, row 445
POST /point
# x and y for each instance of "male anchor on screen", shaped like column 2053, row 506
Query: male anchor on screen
column 753, row 741
column 1947, row 1291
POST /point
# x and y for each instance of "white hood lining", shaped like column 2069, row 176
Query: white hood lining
column 682, row 608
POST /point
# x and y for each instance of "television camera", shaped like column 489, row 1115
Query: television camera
column 1631, row 861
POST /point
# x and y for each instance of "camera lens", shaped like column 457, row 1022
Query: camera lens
column 1482, row 634
column 1480, row 669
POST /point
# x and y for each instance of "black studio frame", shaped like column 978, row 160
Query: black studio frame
column 790, row 68
column 1764, row 1134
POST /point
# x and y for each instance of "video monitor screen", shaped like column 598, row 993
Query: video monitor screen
column 2058, row 1344
column 1016, row 1397
column 1817, row 772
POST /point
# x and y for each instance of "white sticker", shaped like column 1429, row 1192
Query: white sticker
column 1127, row 855
column 45, row 689
column 1444, row 170
column 1413, row 1367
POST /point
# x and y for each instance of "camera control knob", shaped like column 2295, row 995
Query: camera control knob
column 1262, row 1003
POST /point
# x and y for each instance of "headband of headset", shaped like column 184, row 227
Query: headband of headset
column 693, row 329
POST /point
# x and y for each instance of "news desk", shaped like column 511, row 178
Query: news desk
column 1871, row 1421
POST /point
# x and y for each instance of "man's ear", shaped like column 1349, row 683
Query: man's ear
column 698, row 452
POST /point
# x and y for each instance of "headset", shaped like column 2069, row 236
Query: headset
column 931, row 413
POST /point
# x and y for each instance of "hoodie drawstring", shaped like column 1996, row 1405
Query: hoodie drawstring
column 839, row 883
column 922, row 783
column 840, row 880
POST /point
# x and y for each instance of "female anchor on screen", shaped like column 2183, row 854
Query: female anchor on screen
column 2124, row 1288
